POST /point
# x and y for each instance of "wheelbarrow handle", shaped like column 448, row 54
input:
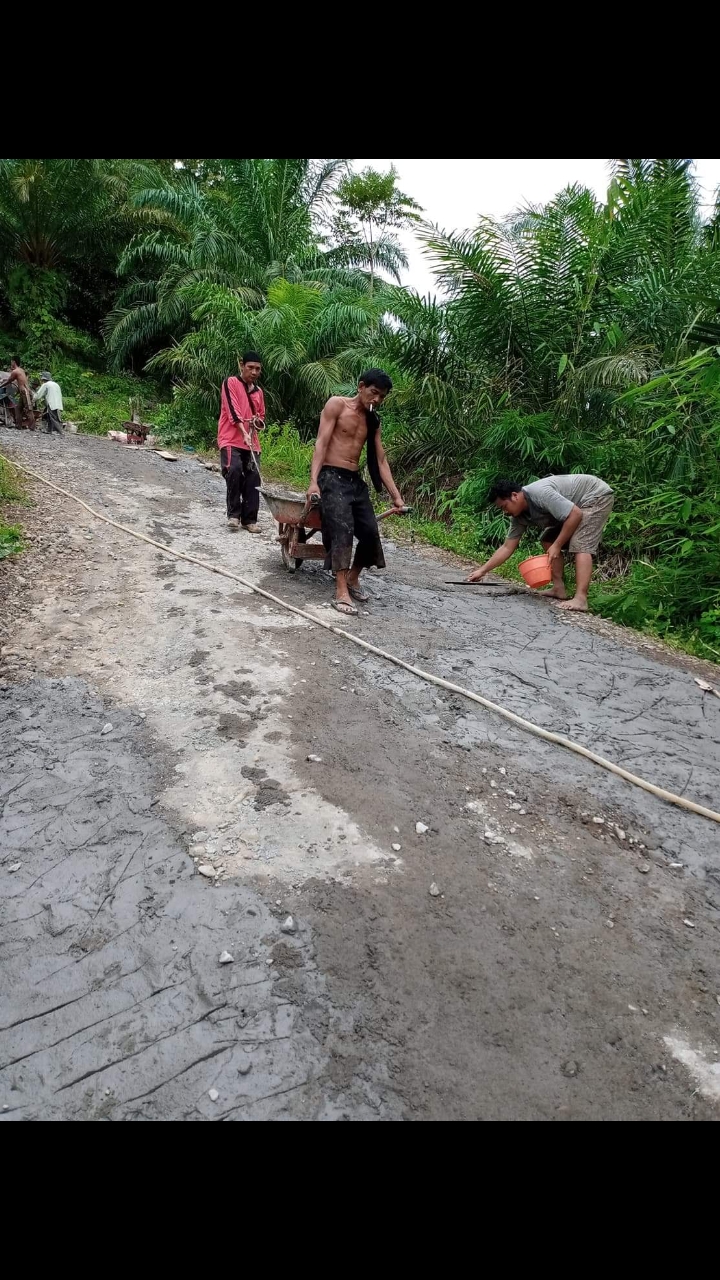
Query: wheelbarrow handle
column 394, row 511
column 312, row 501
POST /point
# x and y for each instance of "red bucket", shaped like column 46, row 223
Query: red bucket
column 536, row 571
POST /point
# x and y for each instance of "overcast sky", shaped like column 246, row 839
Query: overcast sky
column 454, row 193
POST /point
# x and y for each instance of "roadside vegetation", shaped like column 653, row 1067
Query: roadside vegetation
column 580, row 336
column 11, row 490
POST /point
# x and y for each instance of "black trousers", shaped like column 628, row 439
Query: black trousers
column 242, row 481
column 347, row 512
column 52, row 421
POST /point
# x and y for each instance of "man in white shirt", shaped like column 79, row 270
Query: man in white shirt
column 50, row 392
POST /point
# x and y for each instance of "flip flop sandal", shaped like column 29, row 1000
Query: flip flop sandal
column 358, row 595
column 348, row 610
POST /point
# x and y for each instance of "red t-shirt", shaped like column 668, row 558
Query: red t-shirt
column 246, row 407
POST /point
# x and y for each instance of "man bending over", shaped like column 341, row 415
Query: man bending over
column 346, row 423
column 50, row 392
column 572, row 512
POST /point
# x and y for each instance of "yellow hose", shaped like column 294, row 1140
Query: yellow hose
column 557, row 738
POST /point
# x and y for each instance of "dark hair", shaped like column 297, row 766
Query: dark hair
column 14, row 360
column 503, row 489
column 377, row 378
column 251, row 357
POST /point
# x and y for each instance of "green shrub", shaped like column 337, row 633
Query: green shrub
column 11, row 488
column 11, row 541
column 102, row 402
column 180, row 422
column 285, row 456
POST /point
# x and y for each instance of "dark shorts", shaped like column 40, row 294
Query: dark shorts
column 347, row 512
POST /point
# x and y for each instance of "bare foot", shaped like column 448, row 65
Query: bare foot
column 576, row 605
column 557, row 593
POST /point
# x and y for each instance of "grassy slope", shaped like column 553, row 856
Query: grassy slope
column 101, row 402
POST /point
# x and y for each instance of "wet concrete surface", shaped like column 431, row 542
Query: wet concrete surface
column 553, row 976
column 115, row 1005
column 519, row 651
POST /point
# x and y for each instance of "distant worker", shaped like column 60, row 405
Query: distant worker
column 7, row 399
column 50, row 392
column 20, row 378
column 572, row 512
column 242, row 415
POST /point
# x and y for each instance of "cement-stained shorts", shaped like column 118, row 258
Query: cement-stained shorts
column 588, row 535
column 347, row 512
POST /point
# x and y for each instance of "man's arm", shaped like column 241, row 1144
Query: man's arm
column 41, row 392
column 502, row 554
column 328, row 422
column 386, row 474
column 566, row 533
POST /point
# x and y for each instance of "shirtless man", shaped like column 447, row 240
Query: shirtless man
column 20, row 378
column 345, row 425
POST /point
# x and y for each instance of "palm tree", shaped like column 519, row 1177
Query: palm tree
column 371, row 209
column 306, row 332
column 245, row 224
column 584, row 295
column 62, row 223
column 547, row 317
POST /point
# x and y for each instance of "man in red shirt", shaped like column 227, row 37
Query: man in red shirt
column 242, row 414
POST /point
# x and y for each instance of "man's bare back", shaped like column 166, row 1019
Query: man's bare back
column 19, row 376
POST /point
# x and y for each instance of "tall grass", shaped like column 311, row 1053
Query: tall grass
column 285, row 456
column 10, row 484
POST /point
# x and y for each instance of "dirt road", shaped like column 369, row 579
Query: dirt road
column 156, row 719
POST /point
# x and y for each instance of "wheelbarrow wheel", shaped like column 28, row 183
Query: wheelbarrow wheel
column 289, row 561
column 293, row 563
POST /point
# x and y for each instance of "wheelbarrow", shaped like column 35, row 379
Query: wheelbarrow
column 298, row 519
